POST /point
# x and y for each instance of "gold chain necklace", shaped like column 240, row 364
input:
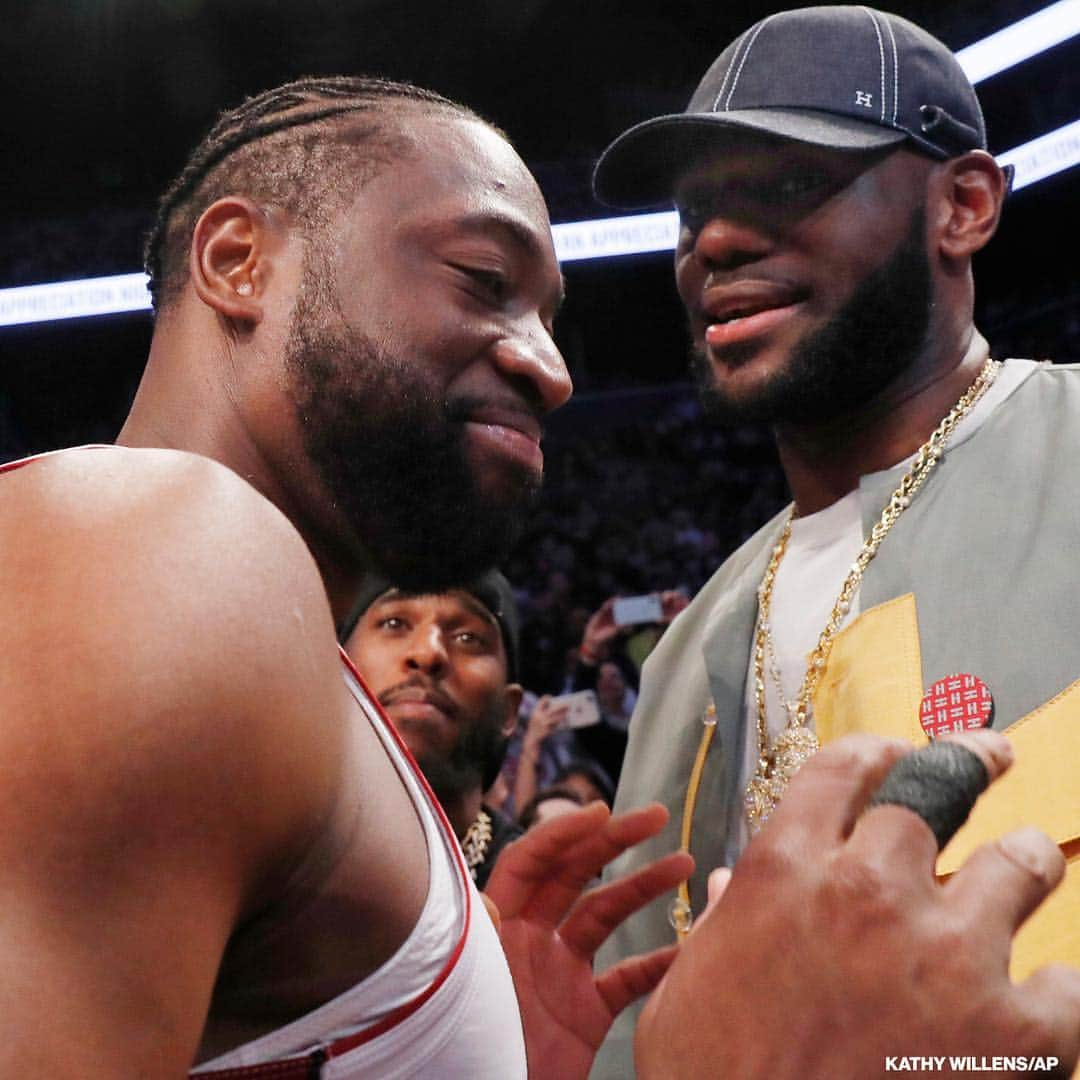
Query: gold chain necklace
column 477, row 840
column 778, row 763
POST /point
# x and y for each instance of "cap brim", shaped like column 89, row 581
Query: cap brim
column 640, row 168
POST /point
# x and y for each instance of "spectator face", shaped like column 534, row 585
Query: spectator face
column 610, row 688
column 437, row 664
column 582, row 786
column 553, row 808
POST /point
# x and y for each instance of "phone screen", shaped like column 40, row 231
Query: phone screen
column 628, row 610
column 582, row 708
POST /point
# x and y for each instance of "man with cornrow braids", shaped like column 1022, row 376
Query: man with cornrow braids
column 233, row 860
column 274, row 144
column 214, row 850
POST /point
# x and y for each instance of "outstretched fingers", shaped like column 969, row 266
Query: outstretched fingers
column 1003, row 882
column 544, row 872
column 600, row 910
column 531, row 860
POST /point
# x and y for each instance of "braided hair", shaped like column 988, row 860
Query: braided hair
column 285, row 147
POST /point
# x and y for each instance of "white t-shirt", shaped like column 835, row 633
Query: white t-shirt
column 820, row 552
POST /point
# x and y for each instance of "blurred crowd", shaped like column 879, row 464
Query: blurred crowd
column 651, row 507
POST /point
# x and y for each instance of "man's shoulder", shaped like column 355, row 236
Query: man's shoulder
column 166, row 632
column 1044, row 373
column 1043, row 392
column 149, row 514
column 90, row 483
column 168, row 552
column 1047, row 366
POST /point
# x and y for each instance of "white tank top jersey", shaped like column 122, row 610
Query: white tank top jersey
column 443, row 1006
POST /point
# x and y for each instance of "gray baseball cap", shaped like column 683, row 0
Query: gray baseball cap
column 843, row 78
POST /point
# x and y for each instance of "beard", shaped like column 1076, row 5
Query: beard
column 475, row 760
column 875, row 336
column 391, row 454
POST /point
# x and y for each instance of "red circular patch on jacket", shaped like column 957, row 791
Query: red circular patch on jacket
column 959, row 702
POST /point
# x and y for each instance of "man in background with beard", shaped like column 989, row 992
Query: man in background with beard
column 444, row 667
column 832, row 182
column 212, row 846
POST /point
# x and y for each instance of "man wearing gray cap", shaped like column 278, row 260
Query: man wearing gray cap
column 833, row 182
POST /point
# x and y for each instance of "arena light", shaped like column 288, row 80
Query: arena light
column 1021, row 41
column 74, row 299
column 634, row 234
column 1042, row 157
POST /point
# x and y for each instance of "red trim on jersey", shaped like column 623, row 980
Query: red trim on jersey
column 350, row 1042
column 309, row 1066
column 9, row 466
column 294, row 1068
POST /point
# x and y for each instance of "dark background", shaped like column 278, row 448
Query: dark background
column 103, row 99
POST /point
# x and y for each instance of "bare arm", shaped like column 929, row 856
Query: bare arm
column 168, row 659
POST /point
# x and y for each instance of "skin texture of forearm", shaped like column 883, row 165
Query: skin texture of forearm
column 525, row 781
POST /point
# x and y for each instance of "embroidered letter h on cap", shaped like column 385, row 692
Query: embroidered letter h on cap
column 844, row 78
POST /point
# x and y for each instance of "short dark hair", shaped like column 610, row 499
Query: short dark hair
column 284, row 147
column 595, row 773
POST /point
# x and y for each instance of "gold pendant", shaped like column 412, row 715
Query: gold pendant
column 758, row 802
column 793, row 747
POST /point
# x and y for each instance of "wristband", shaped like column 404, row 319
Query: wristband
column 940, row 782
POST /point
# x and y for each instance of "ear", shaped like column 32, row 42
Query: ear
column 229, row 253
column 974, row 189
column 514, row 694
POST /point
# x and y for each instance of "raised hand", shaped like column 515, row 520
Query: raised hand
column 600, row 631
column 547, row 716
column 551, row 927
